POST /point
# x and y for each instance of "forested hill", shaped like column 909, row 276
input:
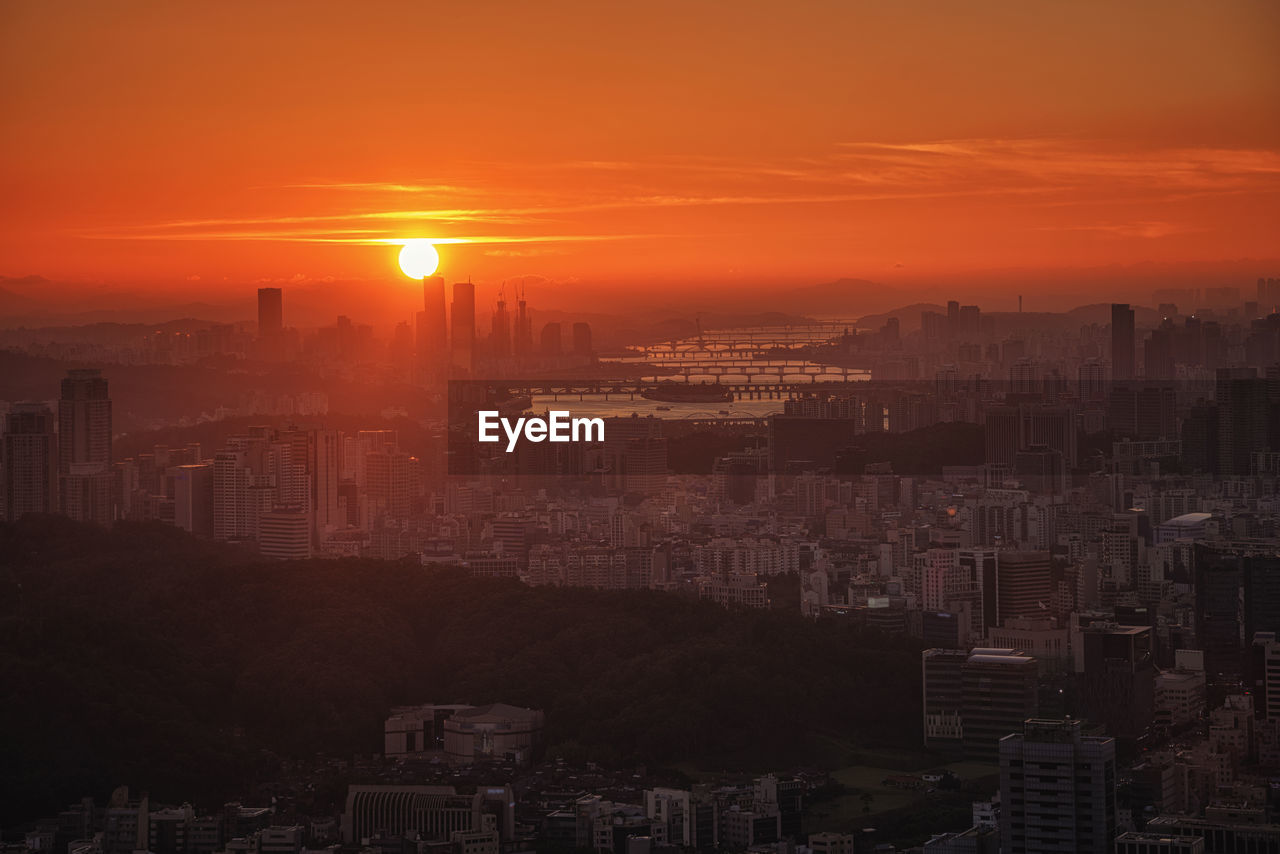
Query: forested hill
column 143, row 656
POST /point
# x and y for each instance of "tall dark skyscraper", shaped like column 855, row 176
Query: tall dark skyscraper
column 1057, row 789
column 270, row 312
column 462, row 344
column 522, row 337
column 84, row 447
column 500, row 331
column 30, row 461
column 1122, row 342
column 433, row 333
column 270, row 322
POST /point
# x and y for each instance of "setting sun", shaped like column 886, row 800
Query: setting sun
column 419, row 258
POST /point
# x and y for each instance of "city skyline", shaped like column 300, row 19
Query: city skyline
column 834, row 427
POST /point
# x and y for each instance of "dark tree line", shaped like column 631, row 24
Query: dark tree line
column 144, row 656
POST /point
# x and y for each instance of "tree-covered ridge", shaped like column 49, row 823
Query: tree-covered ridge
column 141, row 655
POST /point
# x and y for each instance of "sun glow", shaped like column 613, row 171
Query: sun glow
column 418, row 258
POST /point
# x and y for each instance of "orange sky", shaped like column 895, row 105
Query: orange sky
column 188, row 144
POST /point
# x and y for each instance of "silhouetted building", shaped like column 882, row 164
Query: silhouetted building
column 1024, row 586
column 84, row 447
column 1118, row 682
column 30, row 461
column 284, row 533
column 1122, row 342
column 193, row 498
column 998, row 693
column 462, row 344
column 270, row 312
column 1057, row 790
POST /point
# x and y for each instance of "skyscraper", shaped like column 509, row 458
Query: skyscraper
column 84, row 447
column 270, row 322
column 270, row 312
column 1122, row 341
column 30, row 465
column 1024, row 586
column 432, row 344
column 998, row 691
column 463, row 328
column 1057, row 789
column 500, row 330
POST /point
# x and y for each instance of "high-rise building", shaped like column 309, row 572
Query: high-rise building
column 1092, row 381
column 270, row 313
column 284, row 533
column 998, row 692
column 84, row 421
column 193, row 497
column 942, row 678
column 462, row 344
column 1122, row 342
column 84, row 447
column 979, row 567
column 433, row 332
column 1243, row 418
column 1057, row 789
column 500, row 330
column 30, row 462
column 1024, row 586
column 1118, row 679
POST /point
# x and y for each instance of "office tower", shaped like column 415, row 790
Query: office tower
column 314, row 478
column 582, row 339
column 970, row 322
column 30, row 464
column 270, row 323
column 388, row 476
column 1158, row 353
column 953, row 318
column 979, row 567
column 270, row 312
column 84, row 447
column 284, row 533
column 551, row 345
column 998, row 690
column 1242, row 405
column 433, row 342
column 1118, row 679
column 1041, row 470
column 1024, row 587
column 1003, row 432
column 500, row 330
column 522, row 343
column 1057, row 789
column 942, row 678
column 1122, row 342
column 84, row 421
column 193, row 497
column 462, row 342
column 1010, row 429
column 1092, row 381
